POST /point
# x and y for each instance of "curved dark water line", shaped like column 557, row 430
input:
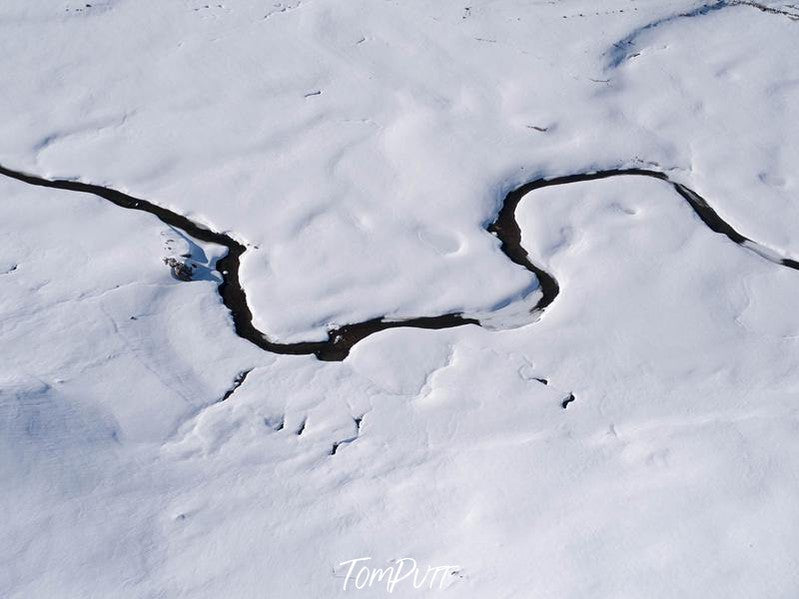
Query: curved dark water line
column 619, row 53
column 340, row 340
column 507, row 229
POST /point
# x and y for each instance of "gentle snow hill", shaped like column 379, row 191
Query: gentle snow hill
column 426, row 113
column 359, row 149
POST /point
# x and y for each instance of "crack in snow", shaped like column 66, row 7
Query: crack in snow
column 237, row 382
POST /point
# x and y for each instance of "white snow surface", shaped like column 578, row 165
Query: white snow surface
column 359, row 148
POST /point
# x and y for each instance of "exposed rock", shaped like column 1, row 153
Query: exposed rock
column 180, row 270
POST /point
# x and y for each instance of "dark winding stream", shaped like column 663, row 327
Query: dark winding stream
column 341, row 340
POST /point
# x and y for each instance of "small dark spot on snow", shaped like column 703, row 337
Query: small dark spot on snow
column 180, row 270
column 237, row 381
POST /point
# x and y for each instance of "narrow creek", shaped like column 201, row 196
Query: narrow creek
column 340, row 340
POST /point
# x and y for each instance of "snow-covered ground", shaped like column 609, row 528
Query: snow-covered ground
column 359, row 149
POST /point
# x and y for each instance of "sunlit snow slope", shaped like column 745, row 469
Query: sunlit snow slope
column 637, row 439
